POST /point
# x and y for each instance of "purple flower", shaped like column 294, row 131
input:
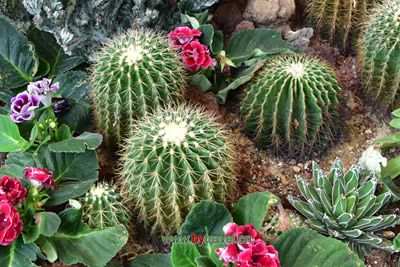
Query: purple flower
column 60, row 105
column 44, row 89
column 23, row 106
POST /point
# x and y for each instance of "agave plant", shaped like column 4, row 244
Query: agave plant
column 344, row 206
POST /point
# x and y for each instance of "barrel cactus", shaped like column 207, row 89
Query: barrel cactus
column 340, row 21
column 344, row 205
column 104, row 207
column 135, row 73
column 176, row 157
column 291, row 104
column 379, row 54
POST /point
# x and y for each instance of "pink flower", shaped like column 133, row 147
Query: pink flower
column 253, row 254
column 196, row 56
column 10, row 223
column 228, row 254
column 11, row 190
column 182, row 35
column 40, row 177
column 242, row 230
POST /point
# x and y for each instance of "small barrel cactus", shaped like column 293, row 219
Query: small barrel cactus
column 291, row 104
column 344, row 205
column 104, row 207
column 340, row 21
column 379, row 54
column 135, row 73
column 176, row 157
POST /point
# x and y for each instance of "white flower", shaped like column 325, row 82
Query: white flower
column 372, row 159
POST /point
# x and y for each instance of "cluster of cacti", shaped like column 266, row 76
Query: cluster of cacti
column 340, row 21
column 135, row 73
column 104, row 207
column 176, row 157
column 291, row 104
column 344, row 205
column 379, row 53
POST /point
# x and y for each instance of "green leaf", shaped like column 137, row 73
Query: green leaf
column 302, row 247
column 74, row 87
column 68, row 190
column 79, row 144
column 206, row 218
column 75, row 243
column 252, row 209
column 15, row 164
column 396, row 113
column 239, row 78
column 17, row 254
column 50, row 252
column 392, row 168
column 46, row 46
column 391, row 186
column 205, row 261
column 10, row 138
column 255, row 42
column 184, row 255
column 395, row 123
column 47, row 222
column 200, row 81
column 396, row 242
column 207, row 34
column 217, row 43
column 151, row 260
column 18, row 61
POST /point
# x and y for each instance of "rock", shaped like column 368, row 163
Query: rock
column 269, row 12
column 300, row 38
column 292, row 162
column 227, row 16
column 244, row 25
column 296, row 169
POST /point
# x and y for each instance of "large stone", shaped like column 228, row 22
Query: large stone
column 269, row 12
column 300, row 38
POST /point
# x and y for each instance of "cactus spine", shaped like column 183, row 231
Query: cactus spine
column 344, row 205
column 379, row 54
column 339, row 20
column 291, row 104
column 176, row 157
column 135, row 73
column 103, row 207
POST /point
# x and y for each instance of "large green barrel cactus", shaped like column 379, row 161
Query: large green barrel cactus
column 176, row 157
column 135, row 73
column 344, row 205
column 104, row 207
column 379, row 54
column 339, row 20
column 291, row 104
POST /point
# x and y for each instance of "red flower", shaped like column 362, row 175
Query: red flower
column 182, row 35
column 10, row 223
column 12, row 190
column 242, row 230
column 40, row 177
column 196, row 56
column 253, row 254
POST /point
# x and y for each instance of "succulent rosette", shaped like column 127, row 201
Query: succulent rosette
column 10, row 223
column 12, row 190
column 253, row 254
column 23, row 106
column 40, row 177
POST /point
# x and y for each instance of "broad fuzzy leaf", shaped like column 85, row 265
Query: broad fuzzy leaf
column 184, row 255
column 79, row 144
column 18, row 254
column 10, row 138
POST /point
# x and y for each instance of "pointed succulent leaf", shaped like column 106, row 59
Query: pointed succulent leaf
column 364, row 206
column 364, row 223
column 318, row 225
column 340, row 206
column 381, row 200
column 301, row 207
column 369, row 239
column 330, row 222
column 367, row 189
column 337, row 191
column 387, row 221
column 352, row 233
column 351, row 178
column 315, row 173
column 325, row 202
column 317, row 209
column 351, row 204
column 307, row 190
column 345, row 219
